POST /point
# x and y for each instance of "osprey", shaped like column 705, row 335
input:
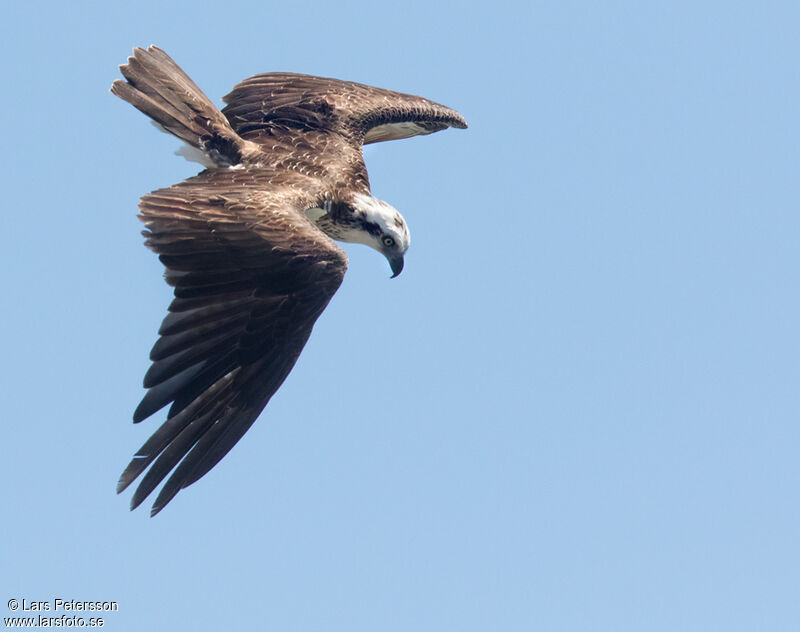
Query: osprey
column 248, row 244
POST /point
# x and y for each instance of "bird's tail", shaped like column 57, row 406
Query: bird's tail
column 157, row 86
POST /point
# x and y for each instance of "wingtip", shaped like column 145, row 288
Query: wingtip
column 127, row 477
column 142, row 412
column 460, row 122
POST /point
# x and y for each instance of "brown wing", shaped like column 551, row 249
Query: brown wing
column 269, row 105
column 251, row 275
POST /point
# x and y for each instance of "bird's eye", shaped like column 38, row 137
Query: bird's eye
column 388, row 241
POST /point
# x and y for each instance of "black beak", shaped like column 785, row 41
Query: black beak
column 396, row 263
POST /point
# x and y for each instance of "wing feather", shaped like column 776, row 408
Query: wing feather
column 214, row 400
column 251, row 275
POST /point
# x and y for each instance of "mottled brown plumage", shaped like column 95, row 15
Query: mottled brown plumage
column 264, row 106
column 244, row 245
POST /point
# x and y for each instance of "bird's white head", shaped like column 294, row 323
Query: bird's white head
column 383, row 228
column 370, row 221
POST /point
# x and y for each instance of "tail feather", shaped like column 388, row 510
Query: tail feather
column 159, row 88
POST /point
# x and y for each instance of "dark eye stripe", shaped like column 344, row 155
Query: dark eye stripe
column 371, row 227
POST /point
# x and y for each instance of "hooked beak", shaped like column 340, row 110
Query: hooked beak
column 396, row 264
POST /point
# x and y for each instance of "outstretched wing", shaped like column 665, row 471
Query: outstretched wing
column 251, row 275
column 269, row 105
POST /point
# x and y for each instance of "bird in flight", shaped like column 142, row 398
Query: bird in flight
column 248, row 243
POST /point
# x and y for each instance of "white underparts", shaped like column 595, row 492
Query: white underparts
column 393, row 131
column 192, row 154
column 315, row 213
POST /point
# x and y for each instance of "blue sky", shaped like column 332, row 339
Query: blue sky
column 577, row 407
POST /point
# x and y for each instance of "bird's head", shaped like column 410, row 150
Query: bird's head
column 380, row 226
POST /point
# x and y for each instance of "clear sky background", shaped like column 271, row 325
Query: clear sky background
column 576, row 409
